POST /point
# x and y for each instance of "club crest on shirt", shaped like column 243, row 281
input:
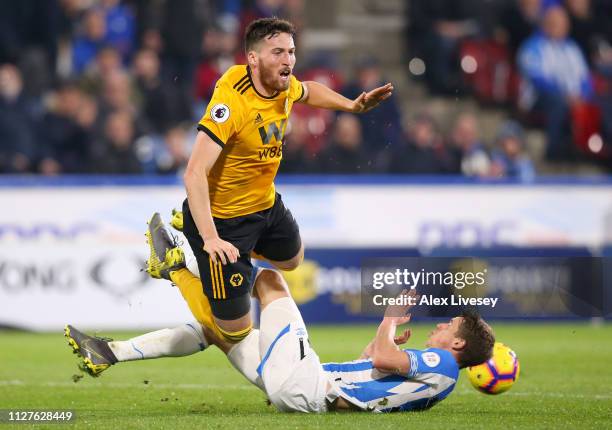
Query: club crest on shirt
column 431, row 359
column 220, row 113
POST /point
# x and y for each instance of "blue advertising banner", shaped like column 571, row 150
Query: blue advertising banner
column 348, row 285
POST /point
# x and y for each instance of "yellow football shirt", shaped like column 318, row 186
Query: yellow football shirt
column 250, row 127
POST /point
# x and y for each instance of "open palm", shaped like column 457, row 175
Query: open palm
column 371, row 99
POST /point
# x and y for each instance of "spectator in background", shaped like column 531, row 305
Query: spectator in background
column 18, row 123
column 162, row 105
column 381, row 127
column 317, row 123
column 64, row 145
column 471, row 158
column 518, row 20
column 602, row 50
column 91, row 39
column 121, row 27
column 107, row 62
column 87, row 118
column 556, row 76
column 30, row 28
column 583, row 26
column 118, row 94
column 437, row 29
column 297, row 157
column 148, row 16
column 346, row 152
column 261, row 9
column 70, row 14
column 116, row 154
column 509, row 158
column 176, row 152
column 220, row 47
column 603, row 14
column 422, row 150
column 601, row 53
column 183, row 24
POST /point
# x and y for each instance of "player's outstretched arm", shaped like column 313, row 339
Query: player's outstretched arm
column 203, row 157
column 386, row 356
column 318, row 95
column 398, row 340
column 385, row 353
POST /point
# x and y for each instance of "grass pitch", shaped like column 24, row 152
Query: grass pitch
column 565, row 382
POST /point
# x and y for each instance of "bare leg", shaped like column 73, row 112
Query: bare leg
column 287, row 265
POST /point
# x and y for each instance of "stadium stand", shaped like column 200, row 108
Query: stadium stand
column 89, row 69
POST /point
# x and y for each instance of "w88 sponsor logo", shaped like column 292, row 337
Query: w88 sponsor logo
column 271, row 152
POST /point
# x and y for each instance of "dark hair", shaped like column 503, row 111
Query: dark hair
column 479, row 340
column 265, row 28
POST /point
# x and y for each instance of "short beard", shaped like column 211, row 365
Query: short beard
column 269, row 80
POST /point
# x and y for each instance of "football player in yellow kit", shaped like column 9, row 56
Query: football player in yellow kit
column 232, row 211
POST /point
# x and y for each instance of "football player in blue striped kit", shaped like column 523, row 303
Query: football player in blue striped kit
column 278, row 357
column 385, row 378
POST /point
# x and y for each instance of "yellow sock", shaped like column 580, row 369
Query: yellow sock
column 191, row 289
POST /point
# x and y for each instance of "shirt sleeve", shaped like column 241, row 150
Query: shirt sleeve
column 431, row 361
column 296, row 89
column 222, row 118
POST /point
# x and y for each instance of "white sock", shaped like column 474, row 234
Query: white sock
column 179, row 341
column 245, row 358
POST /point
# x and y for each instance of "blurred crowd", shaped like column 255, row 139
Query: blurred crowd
column 116, row 87
column 111, row 86
column 549, row 62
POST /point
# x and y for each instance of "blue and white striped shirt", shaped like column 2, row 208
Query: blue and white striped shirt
column 553, row 66
column 432, row 376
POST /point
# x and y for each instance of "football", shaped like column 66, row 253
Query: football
column 498, row 374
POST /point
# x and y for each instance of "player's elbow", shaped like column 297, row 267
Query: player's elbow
column 386, row 360
column 191, row 177
column 188, row 176
column 379, row 361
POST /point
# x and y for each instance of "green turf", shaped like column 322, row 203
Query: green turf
column 565, row 383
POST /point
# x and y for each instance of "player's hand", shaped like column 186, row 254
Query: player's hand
column 409, row 299
column 398, row 321
column 403, row 338
column 219, row 249
column 371, row 99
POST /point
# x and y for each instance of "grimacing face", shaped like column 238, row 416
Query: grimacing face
column 275, row 58
column 445, row 335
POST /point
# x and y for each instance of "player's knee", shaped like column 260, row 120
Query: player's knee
column 235, row 330
column 272, row 280
column 293, row 263
column 270, row 286
column 235, row 336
